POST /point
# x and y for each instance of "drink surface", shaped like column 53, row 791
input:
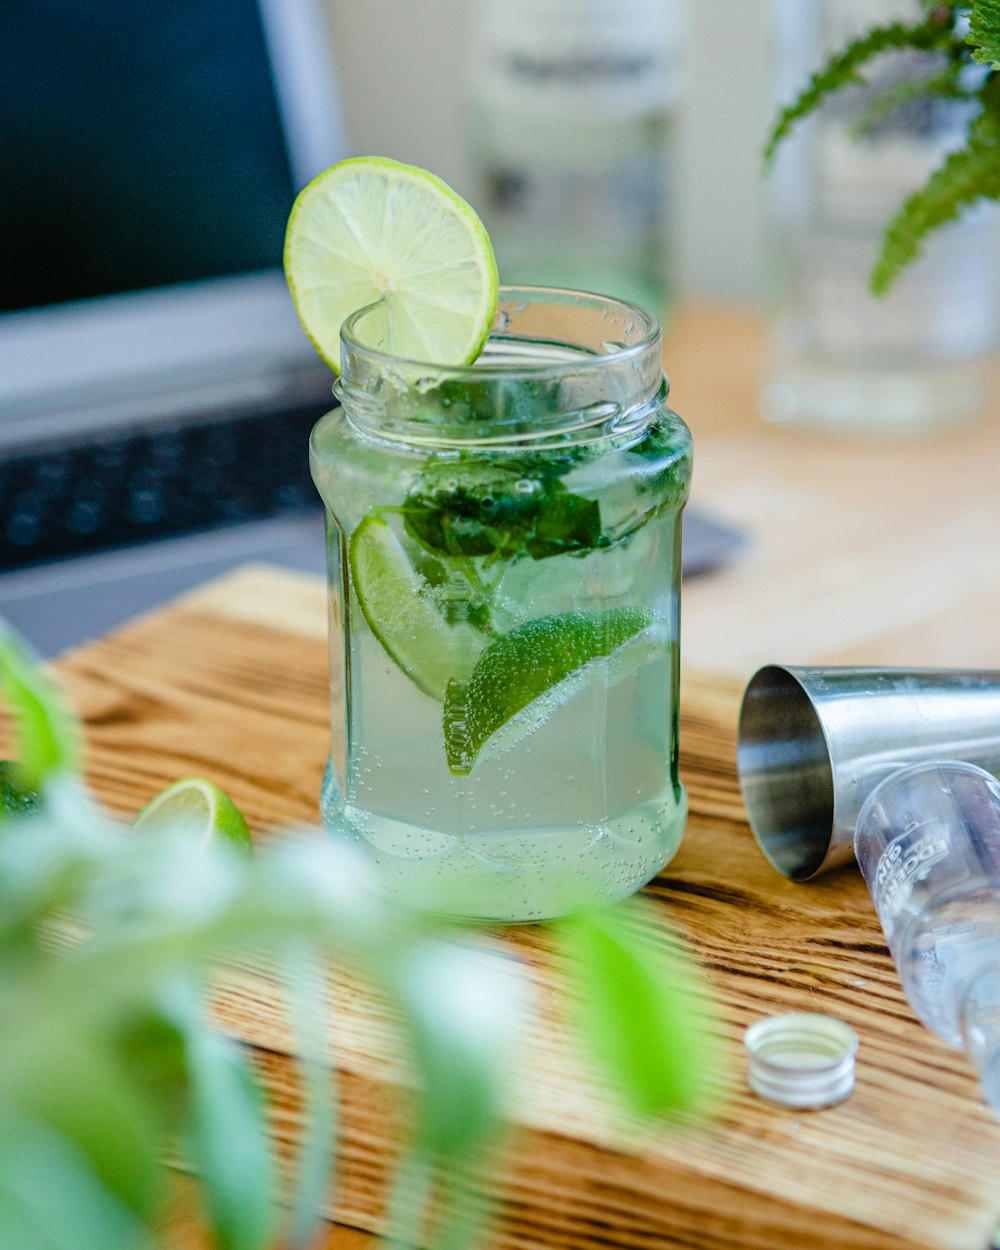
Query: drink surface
column 504, row 625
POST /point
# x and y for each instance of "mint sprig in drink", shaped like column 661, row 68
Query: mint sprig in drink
column 504, row 552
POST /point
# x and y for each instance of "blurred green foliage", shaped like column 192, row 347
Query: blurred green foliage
column 106, row 1061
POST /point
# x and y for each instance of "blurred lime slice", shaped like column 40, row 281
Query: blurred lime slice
column 514, row 674
column 394, row 601
column 46, row 732
column 199, row 805
column 372, row 230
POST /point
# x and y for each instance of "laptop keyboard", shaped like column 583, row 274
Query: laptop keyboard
column 160, row 482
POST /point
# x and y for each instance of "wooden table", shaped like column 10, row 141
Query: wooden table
column 874, row 553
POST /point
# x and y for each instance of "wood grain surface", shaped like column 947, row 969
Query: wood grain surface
column 230, row 683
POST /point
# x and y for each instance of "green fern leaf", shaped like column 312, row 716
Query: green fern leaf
column 931, row 34
column 984, row 32
column 966, row 175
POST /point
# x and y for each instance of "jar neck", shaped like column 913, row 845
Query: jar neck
column 559, row 368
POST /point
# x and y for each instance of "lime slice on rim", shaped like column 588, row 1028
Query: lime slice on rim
column 370, row 229
column 394, row 602
column 517, row 670
column 199, row 805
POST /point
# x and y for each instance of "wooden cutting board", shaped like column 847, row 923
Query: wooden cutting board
column 230, row 683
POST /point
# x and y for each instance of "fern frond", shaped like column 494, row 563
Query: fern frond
column 966, row 175
column 934, row 32
column 984, row 32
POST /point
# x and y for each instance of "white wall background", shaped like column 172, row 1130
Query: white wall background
column 402, row 69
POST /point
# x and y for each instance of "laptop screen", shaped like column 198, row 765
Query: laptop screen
column 142, row 147
column 151, row 153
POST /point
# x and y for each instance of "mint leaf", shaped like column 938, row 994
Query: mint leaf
column 567, row 523
column 313, row 1181
column 15, row 798
column 639, row 1012
column 668, row 454
column 984, row 32
column 51, row 1196
column 494, row 400
column 461, row 1012
column 499, row 508
column 123, row 1144
column 227, row 1140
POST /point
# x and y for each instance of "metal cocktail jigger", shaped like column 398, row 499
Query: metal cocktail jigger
column 814, row 742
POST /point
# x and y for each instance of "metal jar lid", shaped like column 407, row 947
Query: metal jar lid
column 801, row 1059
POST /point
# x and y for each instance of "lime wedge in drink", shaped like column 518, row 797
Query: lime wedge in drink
column 395, row 603
column 199, row 805
column 507, row 687
column 372, row 230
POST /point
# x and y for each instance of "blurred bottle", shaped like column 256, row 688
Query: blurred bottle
column 842, row 358
column 571, row 139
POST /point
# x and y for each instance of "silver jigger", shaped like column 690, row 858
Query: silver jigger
column 814, row 742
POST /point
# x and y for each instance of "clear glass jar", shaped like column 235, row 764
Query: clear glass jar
column 504, row 570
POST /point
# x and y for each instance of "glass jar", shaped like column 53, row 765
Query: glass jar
column 504, row 571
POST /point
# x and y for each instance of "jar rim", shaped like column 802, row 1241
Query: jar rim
column 651, row 333
column 559, row 366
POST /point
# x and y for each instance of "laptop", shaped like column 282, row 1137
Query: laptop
column 156, row 390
